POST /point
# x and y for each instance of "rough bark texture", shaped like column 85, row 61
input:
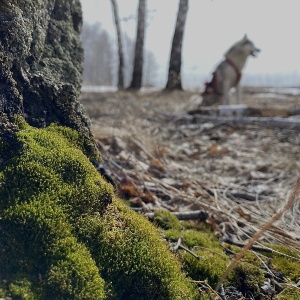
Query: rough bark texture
column 174, row 75
column 137, row 75
column 120, row 44
column 41, row 63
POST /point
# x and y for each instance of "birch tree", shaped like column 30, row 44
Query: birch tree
column 174, row 74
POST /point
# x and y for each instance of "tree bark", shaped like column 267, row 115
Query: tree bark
column 137, row 75
column 120, row 44
column 41, row 64
column 174, row 75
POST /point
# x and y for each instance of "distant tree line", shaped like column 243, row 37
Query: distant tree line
column 101, row 58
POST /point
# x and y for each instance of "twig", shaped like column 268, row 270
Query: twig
column 200, row 215
column 244, row 195
column 208, row 287
column 189, row 251
column 177, row 244
column 222, row 293
column 264, row 264
column 180, row 246
column 291, row 285
column 257, row 248
column 287, row 286
column 291, row 200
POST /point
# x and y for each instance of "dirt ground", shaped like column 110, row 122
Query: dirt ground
column 240, row 174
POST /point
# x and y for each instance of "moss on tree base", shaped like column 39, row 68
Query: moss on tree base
column 64, row 234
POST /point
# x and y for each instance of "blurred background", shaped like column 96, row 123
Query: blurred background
column 212, row 26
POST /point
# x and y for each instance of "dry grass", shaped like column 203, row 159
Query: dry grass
column 285, row 208
column 200, row 166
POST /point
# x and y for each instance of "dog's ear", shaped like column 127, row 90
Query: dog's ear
column 245, row 37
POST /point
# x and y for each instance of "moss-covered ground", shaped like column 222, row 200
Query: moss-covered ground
column 65, row 235
column 280, row 269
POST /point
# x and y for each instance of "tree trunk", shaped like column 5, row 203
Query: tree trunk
column 137, row 74
column 41, row 64
column 174, row 76
column 120, row 45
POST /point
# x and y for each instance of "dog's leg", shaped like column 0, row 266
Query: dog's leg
column 238, row 90
column 226, row 89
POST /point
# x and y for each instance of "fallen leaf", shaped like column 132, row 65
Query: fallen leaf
column 242, row 214
column 217, row 150
column 128, row 190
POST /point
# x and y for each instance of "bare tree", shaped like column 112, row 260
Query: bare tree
column 137, row 73
column 120, row 45
column 150, row 66
column 174, row 75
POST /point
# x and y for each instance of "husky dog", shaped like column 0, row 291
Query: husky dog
column 228, row 73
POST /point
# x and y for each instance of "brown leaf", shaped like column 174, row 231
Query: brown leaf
column 147, row 197
column 217, row 150
column 128, row 190
column 160, row 151
column 155, row 163
column 242, row 214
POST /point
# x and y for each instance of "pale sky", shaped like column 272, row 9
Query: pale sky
column 212, row 27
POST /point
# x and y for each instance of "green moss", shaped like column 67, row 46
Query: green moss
column 209, row 267
column 166, row 220
column 193, row 238
column 19, row 290
column 213, row 261
column 39, row 242
column 289, row 293
column 135, row 255
column 283, row 260
column 248, row 279
column 65, row 236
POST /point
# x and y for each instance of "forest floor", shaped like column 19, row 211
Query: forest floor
column 161, row 159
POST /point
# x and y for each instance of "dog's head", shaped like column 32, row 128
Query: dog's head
column 245, row 47
column 249, row 46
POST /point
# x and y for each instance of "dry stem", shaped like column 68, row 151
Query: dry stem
column 291, row 200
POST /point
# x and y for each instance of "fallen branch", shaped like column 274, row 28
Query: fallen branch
column 256, row 248
column 273, row 122
column 242, row 195
column 246, row 196
column 200, row 215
